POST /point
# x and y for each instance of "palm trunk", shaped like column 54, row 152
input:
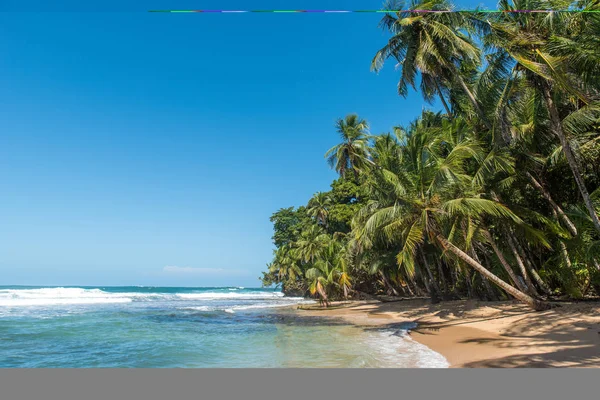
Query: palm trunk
column 473, row 100
column 455, row 281
column 442, row 276
column 536, row 277
column 489, row 268
column 418, row 291
column 387, row 283
column 513, row 277
column 409, row 289
column 517, row 294
column 322, row 294
column 530, row 285
column 566, row 220
column 556, row 126
column 431, row 277
column 470, row 292
column 492, row 296
column 441, row 96
column 565, row 253
column 428, row 288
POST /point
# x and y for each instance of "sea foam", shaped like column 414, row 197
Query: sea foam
column 72, row 296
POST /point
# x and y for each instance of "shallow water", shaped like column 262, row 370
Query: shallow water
column 152, row 327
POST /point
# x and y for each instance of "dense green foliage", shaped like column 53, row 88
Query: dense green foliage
column 496, row 197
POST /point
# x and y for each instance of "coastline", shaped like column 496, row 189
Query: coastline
column 476, row 334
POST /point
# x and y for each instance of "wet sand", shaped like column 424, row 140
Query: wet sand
column 472, row 334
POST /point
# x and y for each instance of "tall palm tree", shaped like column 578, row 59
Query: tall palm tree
column 531, row 41
column 352, row 154
column 432, row 45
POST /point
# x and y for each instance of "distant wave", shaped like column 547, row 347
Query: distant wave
column 232, row 295
column 58, row 296
column 67, row 296
column 293, row 300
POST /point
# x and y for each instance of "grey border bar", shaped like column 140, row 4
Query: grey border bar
column 317, row 384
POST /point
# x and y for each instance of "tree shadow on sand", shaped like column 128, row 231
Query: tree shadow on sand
column 562, row 335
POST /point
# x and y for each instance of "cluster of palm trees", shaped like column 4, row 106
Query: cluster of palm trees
column 497, row 196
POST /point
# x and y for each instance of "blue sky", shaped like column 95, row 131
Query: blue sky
column 151, row 149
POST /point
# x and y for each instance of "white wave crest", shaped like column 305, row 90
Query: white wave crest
column 74, row 296
column 59, row 296
column 231, row 295
column 292, row 301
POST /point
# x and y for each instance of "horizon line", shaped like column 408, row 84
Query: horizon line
column 373, row 11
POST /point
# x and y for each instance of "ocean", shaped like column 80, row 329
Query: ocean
column 167, row 327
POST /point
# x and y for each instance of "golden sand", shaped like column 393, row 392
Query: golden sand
column 473, row 334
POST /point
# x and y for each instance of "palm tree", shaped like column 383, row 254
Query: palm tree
column 440, row 198
column 311, row 243
column 429, row 44
column 532, row 41
column 318, row 207
column 482, row 187
column 329, row 272
column 286, row 265
column 352, row 154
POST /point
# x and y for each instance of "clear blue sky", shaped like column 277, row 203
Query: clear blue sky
column 131, row 142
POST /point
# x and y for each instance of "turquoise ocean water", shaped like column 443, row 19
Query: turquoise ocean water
column 165, row 327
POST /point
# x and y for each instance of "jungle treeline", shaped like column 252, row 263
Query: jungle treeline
column 495, row 196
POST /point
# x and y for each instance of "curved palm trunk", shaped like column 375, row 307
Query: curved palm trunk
column 556, row 126
column 536, row 277
column 346, row 291
column 565, row 253
column 513, row 248
column 322, row 294
column 517, row 294
column 387, row 283
column 416, row 288
column 513, row 277
column 566, row 220
column 409, row 289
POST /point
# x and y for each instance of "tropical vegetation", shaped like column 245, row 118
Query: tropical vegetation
column 497, row 196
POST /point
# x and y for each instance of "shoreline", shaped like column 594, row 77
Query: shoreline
column 477, row 334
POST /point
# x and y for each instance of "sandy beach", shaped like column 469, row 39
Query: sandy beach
column 472, row 334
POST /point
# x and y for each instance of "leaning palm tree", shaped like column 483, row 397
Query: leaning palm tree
column 352, row 154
